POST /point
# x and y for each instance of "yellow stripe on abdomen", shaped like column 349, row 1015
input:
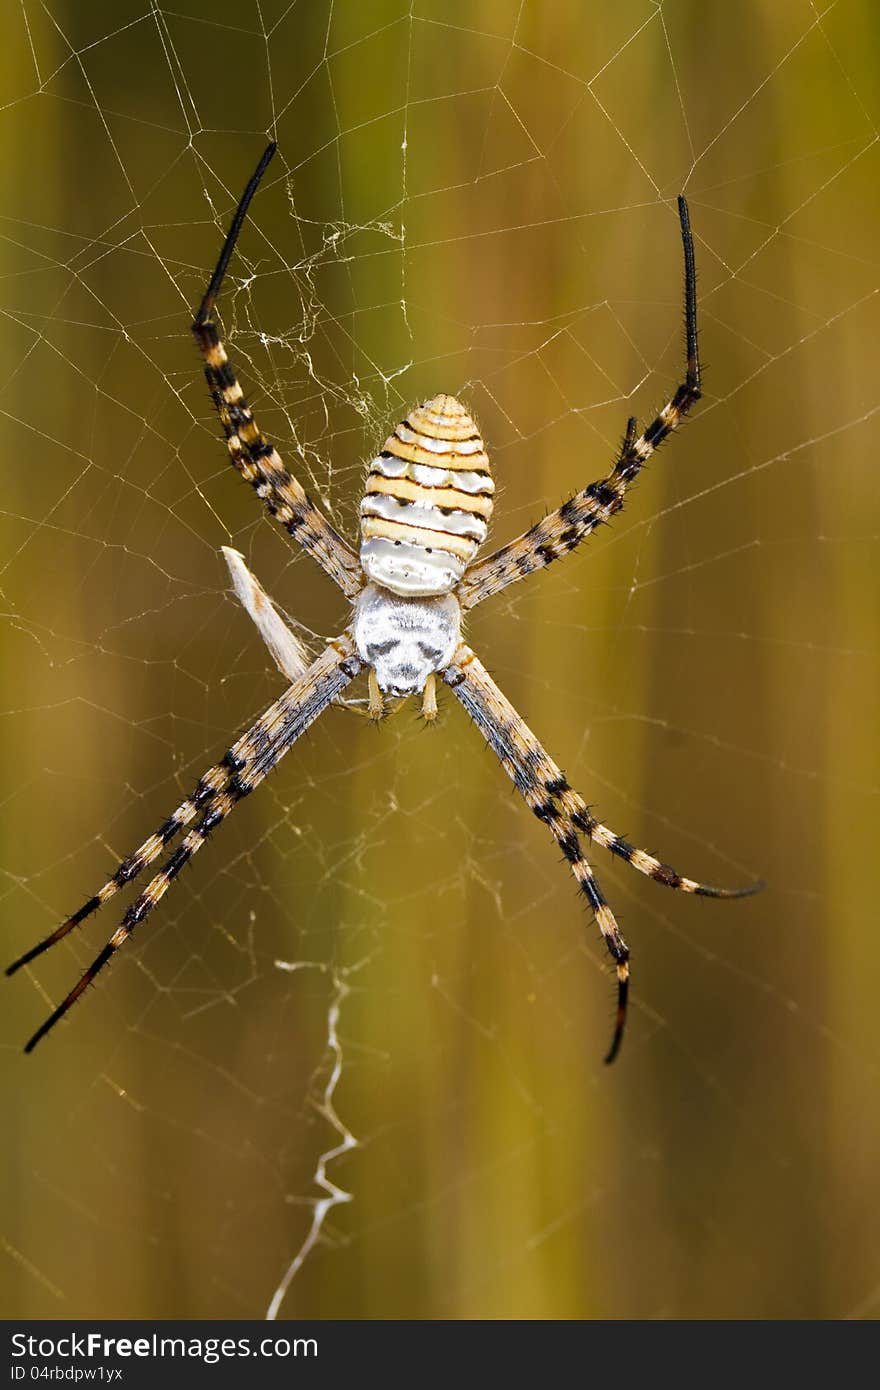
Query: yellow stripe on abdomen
column 428, row 501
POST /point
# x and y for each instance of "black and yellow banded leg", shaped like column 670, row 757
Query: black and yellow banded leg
column 250, row 759
column 563, row 530
column 255, row 457
column 547, row 791
column 509, row 737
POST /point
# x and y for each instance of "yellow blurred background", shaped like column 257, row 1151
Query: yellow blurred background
column 474, row 197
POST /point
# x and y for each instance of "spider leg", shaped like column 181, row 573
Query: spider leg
column 547, row 791
column 256, row 459
column 290, row 655
column 285, row 648
column 292, row 661
column 572, row 805
column 246, row 764
column 561, row 531
column 511, row 741
column 583, row 819
column 208, row 785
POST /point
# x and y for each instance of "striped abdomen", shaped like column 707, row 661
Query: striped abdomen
column 428, row 501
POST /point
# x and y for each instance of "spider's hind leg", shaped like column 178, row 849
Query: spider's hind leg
column 563, row 530
column 251, row 454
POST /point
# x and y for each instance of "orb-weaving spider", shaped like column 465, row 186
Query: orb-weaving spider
column 425, row 513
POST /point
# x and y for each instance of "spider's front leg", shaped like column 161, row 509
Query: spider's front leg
column 291, row 656
column 546, row 791
column 560, row 532
column 250, row 759
column 509, row 738
column 286, row 649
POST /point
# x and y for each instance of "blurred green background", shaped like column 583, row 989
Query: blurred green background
column 476, row 198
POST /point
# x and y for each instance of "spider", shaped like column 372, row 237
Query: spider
column 424, row 515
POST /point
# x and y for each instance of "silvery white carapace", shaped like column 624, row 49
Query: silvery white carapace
column 405, row 639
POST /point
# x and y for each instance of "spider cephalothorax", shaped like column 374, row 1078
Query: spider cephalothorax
column 405, row 641
column 424, row 515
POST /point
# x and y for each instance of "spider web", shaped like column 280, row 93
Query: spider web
column 352, row 1066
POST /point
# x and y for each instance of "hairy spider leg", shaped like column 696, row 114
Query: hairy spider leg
column 547, row 792
column 255, row 457
column 563, row 530
column 499, row 724
column 250, row 759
